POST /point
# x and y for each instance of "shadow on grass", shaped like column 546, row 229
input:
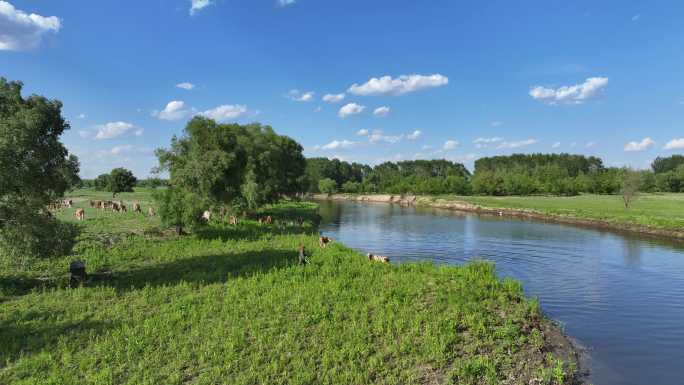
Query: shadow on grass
column 207, row 269
column 31, row 332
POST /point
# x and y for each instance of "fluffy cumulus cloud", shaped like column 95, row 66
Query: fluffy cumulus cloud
column 362, row 132
column 404, row 84
column 381, row 112
column 198, row 5
column 112, row 130
column 450, row 144
column 300, row 96
column 378, row 136
column 22, row 31
column 350, row 109
column 485, row 142
column 336, row 145
column 576, row 94
column 414, row 135
column 226, row 112
column 185, row 85
column 174, row 110
column 675, row 144
column 517, row 143
column 333, row 98
column 644, row 144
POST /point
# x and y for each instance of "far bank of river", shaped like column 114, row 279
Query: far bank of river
column 572, row 217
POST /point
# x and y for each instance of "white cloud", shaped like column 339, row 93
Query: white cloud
column 377, row 136
column 576, row 94
column 518, row 143
column 362, row 132
column 337, row 144
column 381, row 112
column 485, row 142
column 333, row 98
column 636, row 17
column 639, row 146
column 556, row 145
column 225, row 112
column 404, row 84
column 138, row 132
column 414, row 135
column 174, row 110
column 299, row 96
column 674, row 144
column 81, row 116
column 22, row 31
column 113, row 130
column 350, row 109
column 198, row 5
column 450, row 144
column 590, row 144
column 496, row 123
column 118, row 150
column 185, row 85
column 285, row 3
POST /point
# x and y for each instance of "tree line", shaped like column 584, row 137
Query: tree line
column 517, row 174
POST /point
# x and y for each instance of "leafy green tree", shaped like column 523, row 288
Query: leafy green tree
column 661, row 165
column 101, row 183
column 327, row 186
column 179, row 209
column 35, row 169
column 121, row 180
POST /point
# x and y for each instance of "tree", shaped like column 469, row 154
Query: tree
column 121, row 180
column 179, row 208
column 630, row 186
column 219, row 165
column 327, row 186
column 101, row 183
column 35, row 170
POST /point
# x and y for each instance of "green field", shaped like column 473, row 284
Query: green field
column 664, row 211
column 230, row 305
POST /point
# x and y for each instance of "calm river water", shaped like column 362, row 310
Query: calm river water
column 621, row 297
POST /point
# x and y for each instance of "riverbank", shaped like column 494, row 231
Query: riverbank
column 231, row 304
column 658, row 215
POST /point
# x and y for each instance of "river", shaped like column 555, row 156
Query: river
column 620, row 296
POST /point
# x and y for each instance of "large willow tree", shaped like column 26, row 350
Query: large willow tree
column 35, row 169
column 227, row 165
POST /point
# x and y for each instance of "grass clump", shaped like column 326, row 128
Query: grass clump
column 231, row 305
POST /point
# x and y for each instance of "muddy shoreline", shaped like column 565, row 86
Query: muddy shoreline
column 412, row 200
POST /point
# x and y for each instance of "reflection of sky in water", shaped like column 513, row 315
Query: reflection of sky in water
column 621, row 296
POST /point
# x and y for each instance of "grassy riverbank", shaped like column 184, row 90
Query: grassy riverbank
column 229, row 304
column 662, row 211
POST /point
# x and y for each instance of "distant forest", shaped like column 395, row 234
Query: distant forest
column 518, row 174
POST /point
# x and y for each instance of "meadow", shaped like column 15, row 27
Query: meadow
column 231, row 305
column 661, row 211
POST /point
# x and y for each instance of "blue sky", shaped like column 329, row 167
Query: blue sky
column 439, row 79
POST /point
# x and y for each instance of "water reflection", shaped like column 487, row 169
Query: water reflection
column 621, row 296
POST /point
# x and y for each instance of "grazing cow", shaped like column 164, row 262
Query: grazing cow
column 68, row 203
column 324, row 241
column 137, row 208
column 116, row 207
column 233, row 220
column 123, row 208
column 206, row 216
column 92, row 204
column 268, row 220
column 151, row 212
column 378, row 258
column 302, row 255
column 80, row 214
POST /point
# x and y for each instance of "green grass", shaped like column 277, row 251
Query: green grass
column 230, row 305
column 663, row 211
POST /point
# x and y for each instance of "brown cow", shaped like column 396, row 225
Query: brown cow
column 324, row 241
column 151, row 212
column 123, row 208
column 302, row 255
column 233, row 220
column 116, row 207
column 268, row 220
column 137, row 208
column 68, row 203
column 80, row 214
column 378, row 258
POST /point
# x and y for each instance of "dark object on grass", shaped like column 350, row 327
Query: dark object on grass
column 77, row 273
column 302, row 255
